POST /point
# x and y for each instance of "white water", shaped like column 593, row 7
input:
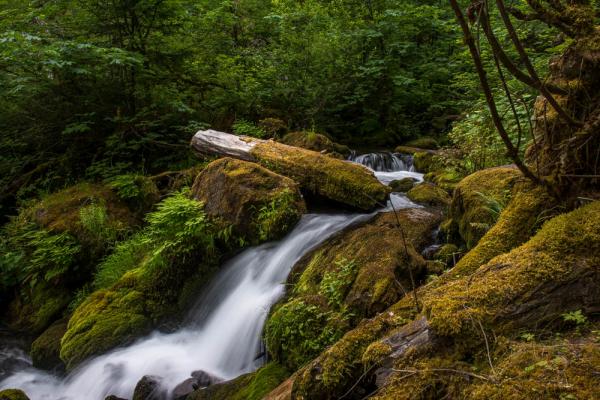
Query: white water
column 222, row 335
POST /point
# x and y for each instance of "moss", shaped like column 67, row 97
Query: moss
column 108, row 318
column 424, row 161
column 35, row 308
column 45, row 350
column 341, row 181
column 531, row 285
column 402, row 185
column 447, row 178
column 423, row 143
column 448, row 254
column 60, row 212
column 479, row 199
column 139, row 192
column 273, row 127
column 316, row 142
column 429, row 194
column 259, row 204
column 13, row 394
column 253, row 386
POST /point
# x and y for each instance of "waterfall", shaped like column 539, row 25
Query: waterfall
column 222, row 333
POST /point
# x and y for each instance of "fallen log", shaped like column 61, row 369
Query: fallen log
column 338, row 180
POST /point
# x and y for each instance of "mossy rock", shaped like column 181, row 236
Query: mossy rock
column 45, row 350
column 340, row 181
column 105, row 320
column 448, row 254
column 60, row 240
column 252, row 386
column 60, row 211
column 403, row 185
column 424, row 142
column 429, row 194
column 530, row 286
column 34, row 309
column 352, row 276
column 259, row 204
column 478, row 201
column 13, row 394
column 316, row 142
column 447, row 179
column 527, row 288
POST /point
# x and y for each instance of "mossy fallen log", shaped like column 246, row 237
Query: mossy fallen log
column 338, row 180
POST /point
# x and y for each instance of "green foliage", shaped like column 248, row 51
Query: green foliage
column 277, row 216
column 335, row 283
column 297, row 331
column 576, row 318
column 246, row 128
column 177, row 228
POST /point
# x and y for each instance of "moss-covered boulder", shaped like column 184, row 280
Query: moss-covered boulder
column 148, row 278
column 429, row 194
column 478, row 201
column 352, row 276
column 45, row 350
column 13, row 394
column 447, row 178
column 260, row 205
column 57, row 243
column 403, row 185
column 252, row 386
column 341, row 181
column 316, row 142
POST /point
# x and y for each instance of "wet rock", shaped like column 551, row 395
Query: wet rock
column 429, row 194
column 112, row 397
column 13, row 394
column 45, row 350
column 199, row 379
column 149, row 388
column 260, row 205
column 403, row 185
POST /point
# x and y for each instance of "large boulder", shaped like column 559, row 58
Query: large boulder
column 149, row 388
column 337, row 180
column 351, row 276
column 260, row 205
column 429, row 194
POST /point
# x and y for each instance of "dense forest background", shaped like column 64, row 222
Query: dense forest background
column 92, row 89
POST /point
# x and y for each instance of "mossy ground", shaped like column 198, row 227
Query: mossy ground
column 337, row 180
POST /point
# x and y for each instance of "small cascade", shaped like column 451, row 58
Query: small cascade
column 384, row 162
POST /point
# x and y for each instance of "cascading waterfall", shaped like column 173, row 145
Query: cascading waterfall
column 222, row 334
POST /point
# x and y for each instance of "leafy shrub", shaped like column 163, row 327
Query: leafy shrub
column 136, row 190
column 246, row 128
column 298, row 331
column 335, row 284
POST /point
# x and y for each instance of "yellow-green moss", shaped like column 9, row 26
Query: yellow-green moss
column 478, row 200
column 259, row 204
column 253, row 386
column 429, row 194
column 564, row 252
column 13, row 394
column 316, row 142
column 45, row 350
column 337, row 180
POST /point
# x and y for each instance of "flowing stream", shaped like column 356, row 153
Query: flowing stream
column 222, row 333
